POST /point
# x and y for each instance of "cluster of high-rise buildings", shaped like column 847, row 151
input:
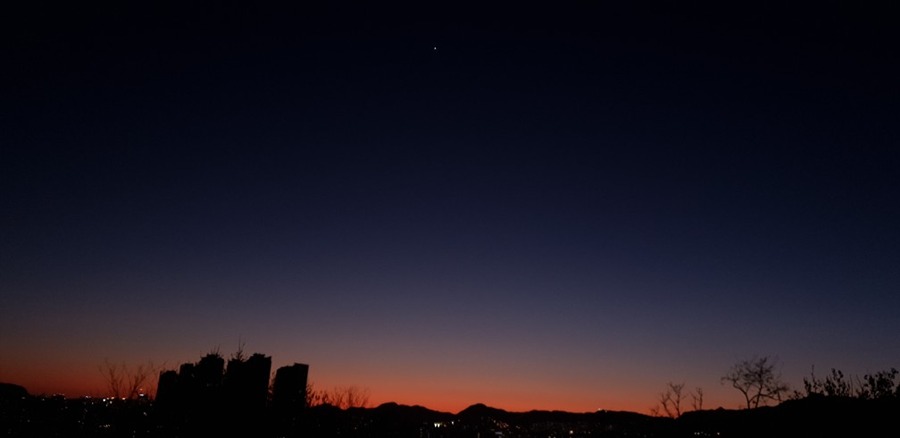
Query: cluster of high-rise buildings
column 213, row 395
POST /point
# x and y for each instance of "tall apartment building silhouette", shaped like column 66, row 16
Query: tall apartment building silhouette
column 289, row 396
column 207, row 397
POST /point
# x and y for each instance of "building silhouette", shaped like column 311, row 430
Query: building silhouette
column 289, row 396
column 206, row 397
column 245, row 390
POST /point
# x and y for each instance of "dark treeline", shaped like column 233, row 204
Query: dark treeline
column 236, row 397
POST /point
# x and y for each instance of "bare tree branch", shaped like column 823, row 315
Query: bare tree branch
column 123, row 381
column 670, row 400
column 757, row 381
column 697, row 399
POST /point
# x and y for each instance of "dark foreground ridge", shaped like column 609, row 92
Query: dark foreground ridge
column 24, row 415
column 219, row 397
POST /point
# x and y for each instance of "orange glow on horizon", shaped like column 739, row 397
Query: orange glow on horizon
column 451, row 401
column 448, row 393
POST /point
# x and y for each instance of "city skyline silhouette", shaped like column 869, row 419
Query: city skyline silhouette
column 218, row 395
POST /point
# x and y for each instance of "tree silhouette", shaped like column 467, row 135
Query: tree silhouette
column 697, row 399
column 880, row 385
column 670, row 401
column 343, row 397
column 313, row 396
column 757, row 380
column 123, row 381
column 831, row 386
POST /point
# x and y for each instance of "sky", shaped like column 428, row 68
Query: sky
column 562, row 208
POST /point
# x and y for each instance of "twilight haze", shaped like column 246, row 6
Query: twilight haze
column 533, row 209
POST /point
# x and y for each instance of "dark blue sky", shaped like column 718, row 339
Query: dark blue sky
column 549, row 208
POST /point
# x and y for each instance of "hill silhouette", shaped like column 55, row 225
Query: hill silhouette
column 215, row 396
column 25, row 415
column 811, row 416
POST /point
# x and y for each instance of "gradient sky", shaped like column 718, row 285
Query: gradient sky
column 559, row 208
